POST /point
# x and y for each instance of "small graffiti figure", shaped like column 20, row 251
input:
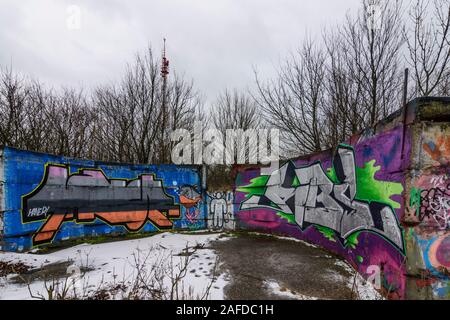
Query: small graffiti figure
column 218, row 210
column 189, row 199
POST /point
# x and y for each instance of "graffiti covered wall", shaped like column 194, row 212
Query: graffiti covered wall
column 429, row 210
column 348, row 201
column 49, row 198
column 381, row 200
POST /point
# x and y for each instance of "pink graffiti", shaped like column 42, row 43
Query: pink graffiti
column 439, row 253
column 392, row 272
column 192, row 215
column 260, row 218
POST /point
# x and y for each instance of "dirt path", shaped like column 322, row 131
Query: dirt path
column 264, row 267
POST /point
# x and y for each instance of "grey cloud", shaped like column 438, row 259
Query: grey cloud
column 215, row 42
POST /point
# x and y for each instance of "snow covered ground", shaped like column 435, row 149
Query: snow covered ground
column 117, row 262
column 278, row 290
column 364, row 289
column 115, row 267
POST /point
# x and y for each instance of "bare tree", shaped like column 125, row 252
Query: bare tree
column 131, row 113
column 428, row 44
column 13, row 95
column 343, row 111
column 372, row 42
column 235, row 110
column 36, row 125
column 324, row 94
column 444, row 85
column 293, row 102
column 112, row 125
column 70, row 122
column 185, row 107
column 37, row 119
column 122, row 122
column 141, row 89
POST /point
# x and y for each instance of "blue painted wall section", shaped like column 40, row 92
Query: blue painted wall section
column 48, row 199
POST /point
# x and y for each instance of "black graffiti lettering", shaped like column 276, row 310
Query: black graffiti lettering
column 435, row 205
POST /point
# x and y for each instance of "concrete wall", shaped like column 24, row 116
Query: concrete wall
column 381, row 200
column 45, row 199
column 427, row 202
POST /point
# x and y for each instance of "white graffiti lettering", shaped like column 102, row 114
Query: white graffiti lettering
column 37, row 212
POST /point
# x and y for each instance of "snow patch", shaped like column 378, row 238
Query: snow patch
column 285, row 238
column 116, row 260
column 364, row 289
column 276, row 289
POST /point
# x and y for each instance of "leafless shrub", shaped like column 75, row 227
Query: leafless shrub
column 131, row 114
column 119, row 122
column 156, row 275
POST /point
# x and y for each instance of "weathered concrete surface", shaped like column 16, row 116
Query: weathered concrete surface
column 394, row 179
column 47, row 199
column 297, row 267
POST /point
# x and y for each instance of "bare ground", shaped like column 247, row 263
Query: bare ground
column 298, row 268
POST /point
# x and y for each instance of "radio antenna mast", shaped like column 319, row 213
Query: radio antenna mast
column 164, row 74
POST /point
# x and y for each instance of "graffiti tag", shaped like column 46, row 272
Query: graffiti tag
column 433, row 205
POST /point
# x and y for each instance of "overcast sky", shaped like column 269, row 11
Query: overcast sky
column 215, row 42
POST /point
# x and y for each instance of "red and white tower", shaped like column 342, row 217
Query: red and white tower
column 164, row 74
